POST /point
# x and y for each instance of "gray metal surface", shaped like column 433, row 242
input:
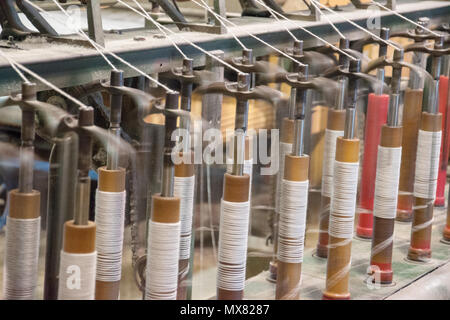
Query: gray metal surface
column 68, row 65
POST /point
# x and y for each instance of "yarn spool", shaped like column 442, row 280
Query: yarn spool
column 184, row 186
column 235, row 193
column 427, row 166
column 110, row 215
column 163, row 249
column 445, row 145
column 341, row 220
column 292, row 225
column 385, row 203
column 412, row 110
column 78, row 262
column 335, row 128
column 376, row 116
column 286, row 141
column 22, row 245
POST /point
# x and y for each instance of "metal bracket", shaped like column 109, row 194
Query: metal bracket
column 212, row 26
column 95, row 25
column 391, row 4
column 314, row 14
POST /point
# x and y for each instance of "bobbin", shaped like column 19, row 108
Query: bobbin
column 111, row 181
column 339, row 249
column 383, row 228
column 184, row 171
column 286, row 141
column 164, row 226
column 166, row 212
column 420, row 245
column 343, row 201
column 21, row 254
column 79, row 241
column 427, row 165
column 335, row 128
column 445, row 145
column 236, row 190
column 288, row 274
column 377, row 114
column 412, row 110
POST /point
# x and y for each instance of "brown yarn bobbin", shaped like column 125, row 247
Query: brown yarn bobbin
column 165, row 209
column 109, row 181
column 411, row 120
column 336, row 121
column 236, row 189
column 347, row 150
column 24, row 205
column 79, row 238
column 419, row 249
column 289, row 274
column 185, row 169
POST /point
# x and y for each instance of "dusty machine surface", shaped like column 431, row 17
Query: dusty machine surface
column 224, row 150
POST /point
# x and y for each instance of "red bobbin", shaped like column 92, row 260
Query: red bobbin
column 445, row 144
column 376, row 117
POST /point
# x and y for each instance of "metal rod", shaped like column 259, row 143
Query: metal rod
column 168, row 171
column 342, row 93
column 240, row 126
column 112, row 160
column 82, row 198
column 394, row 101
column 27, row 137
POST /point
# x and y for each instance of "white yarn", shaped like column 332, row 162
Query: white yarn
column 285, row 148
column 109, row 218
column 386, row 182
column 427, row 164
column 77, row 276
column 329, row 155
column 162, row 261
column 21, row 258
column 184, row 189
column 291, row 226
column 343, row 200
column 233, row 238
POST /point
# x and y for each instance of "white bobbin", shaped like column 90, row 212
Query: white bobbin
column 233, row 237
column 162, row 261
column 329, row 155
column 109, row 218
column 184, row 189
column 77, row 276
column 427, row 164
column 285, row 148
column 343, row 200
column 387, row 182
column 292, row 223
column 21, row 258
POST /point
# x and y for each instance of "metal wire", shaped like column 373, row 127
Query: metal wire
column 306, row 30
column 389, row 43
